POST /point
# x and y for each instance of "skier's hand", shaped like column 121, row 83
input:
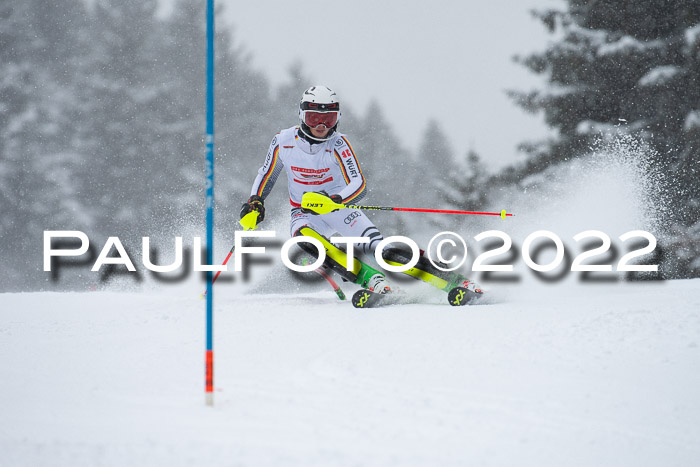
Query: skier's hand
column 334, row 198
column 255, row 203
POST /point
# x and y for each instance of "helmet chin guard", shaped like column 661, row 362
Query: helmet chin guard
column 319, row 100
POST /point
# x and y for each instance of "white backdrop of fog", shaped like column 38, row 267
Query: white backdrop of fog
column 447, row 60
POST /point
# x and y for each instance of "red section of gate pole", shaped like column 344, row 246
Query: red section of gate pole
column 210, row 377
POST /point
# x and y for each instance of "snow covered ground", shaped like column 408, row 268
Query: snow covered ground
column 604, row 374
column 545, row 373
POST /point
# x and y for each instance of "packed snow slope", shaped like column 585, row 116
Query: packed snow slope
column 561, row 372
column 575, row 375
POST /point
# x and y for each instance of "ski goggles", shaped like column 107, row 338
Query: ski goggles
column 314, row 119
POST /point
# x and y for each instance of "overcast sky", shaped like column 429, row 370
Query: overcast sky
column 448, row 60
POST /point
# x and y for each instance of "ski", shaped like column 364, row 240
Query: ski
column 461, row 296
column 365, row 298
column 458, row 296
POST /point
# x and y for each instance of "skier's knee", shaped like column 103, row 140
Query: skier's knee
column 336, row 258
column 304, row 231
column 375, row 237
column 297, row 232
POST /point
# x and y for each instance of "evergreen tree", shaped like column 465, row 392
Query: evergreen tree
column 183, row 113
column 243, row 107
column 434, row 157
column 466, row 186
column 244, row 123
column 288, row 95
column 38, row 168
column 119, row 127
column 102, row 124
column 17, row 47
column 386, row 166
column 432, row 173
column 631, row 66
column 623, row 62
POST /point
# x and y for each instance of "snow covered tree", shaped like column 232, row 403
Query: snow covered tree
column 432, row 173
column 144, row 89
column 16, row 50
column 38, row 169
column 102, row 122
column 288, row 94
column 387, row 167
column 183, row 113
column 466, row 186
column 120, row 128
column 433, row 160
column 622, row 63
column 244, row 114
column 628, row 66
column 244, row 123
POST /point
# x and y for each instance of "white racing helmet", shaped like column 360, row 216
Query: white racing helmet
column 319, row 105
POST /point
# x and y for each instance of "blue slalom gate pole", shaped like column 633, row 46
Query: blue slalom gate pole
column 209, row 165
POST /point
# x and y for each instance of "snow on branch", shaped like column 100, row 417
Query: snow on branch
column 591, row 127
column 692, row 35
column 692, row 121
column 659, row 75
column 628, row 44
column 594, row 37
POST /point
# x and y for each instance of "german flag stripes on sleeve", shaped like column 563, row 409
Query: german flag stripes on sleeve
column 356, row 187
column 268, row 173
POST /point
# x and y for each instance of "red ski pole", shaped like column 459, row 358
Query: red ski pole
column 322, row 205
column 249, row 222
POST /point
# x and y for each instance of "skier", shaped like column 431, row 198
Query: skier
column 318, row 158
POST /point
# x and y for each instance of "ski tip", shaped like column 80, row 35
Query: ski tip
column 460, row 296
column 363, row 298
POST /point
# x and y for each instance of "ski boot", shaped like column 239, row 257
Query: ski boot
column 375, row 289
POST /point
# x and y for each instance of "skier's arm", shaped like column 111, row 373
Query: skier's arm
column 267, row 176
column 268, row 173
column 356, row 187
